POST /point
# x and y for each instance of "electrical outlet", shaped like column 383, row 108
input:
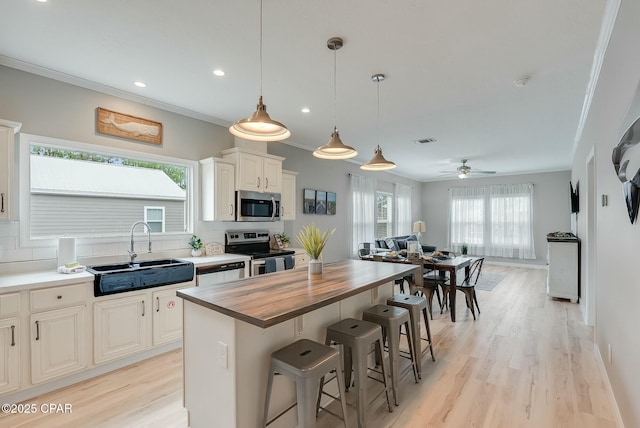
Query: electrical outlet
column 609, row 354
column 222, row 354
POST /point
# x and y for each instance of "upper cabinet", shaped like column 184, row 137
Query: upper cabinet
column 288, row 201
column 218, row 190
column 7, row 131
column 256, row 172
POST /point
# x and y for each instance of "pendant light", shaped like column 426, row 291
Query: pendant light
column 335, row 148
column 260, row 127
column 378, row 162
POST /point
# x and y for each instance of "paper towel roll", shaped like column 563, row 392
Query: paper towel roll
column 66, row 251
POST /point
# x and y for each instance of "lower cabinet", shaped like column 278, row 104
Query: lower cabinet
column 10, row 354
column 120, row 327
column 58, row 343
column 167, row 317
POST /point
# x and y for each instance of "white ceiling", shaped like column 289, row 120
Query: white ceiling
column 450, row 68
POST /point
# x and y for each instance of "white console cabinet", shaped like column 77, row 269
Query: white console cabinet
column 564, row 269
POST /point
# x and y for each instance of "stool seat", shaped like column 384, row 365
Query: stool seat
column 306, row 362
column 356, row 337
column 415, row 304
column 391, row 319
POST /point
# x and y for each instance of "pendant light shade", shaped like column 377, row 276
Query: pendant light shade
column 335, row 148
column 259, row 126
column 378, row 162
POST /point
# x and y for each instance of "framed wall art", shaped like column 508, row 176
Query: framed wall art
column 309, row 201
column 123, row 125
column 319, row 202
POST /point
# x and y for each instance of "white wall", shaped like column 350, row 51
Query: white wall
column 614, row 107
column 551, row 207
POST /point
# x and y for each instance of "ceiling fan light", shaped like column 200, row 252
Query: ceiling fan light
column 463, row 175
column 335, row 148
column 260, row 127
column 378, row 162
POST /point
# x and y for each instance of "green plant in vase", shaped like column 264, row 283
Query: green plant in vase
column 196, row 246
column 312, row 240
column 464, row 249
column 285, row 240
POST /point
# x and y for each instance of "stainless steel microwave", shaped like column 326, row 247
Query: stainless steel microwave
column 254, row 206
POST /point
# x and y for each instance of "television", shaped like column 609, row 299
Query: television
column 575, row 202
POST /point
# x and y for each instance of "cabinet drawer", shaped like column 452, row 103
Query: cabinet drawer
column 58, row 297
column 9, row 305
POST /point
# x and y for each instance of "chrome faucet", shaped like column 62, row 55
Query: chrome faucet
column 132, row 253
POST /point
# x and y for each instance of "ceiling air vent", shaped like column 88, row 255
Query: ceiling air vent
column 426, row 141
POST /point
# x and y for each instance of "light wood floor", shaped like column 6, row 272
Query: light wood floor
column 527, row 361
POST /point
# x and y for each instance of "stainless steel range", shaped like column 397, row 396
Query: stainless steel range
column 255, row 244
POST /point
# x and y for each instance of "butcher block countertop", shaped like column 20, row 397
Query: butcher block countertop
column 267, row 300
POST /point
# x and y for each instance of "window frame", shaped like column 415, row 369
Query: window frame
column 390, row 226
column 150, row 222
column 24, row 187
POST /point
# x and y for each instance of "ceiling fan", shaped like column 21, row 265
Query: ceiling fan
column 464, row 171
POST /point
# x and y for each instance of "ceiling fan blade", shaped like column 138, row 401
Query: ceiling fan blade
column 475, row 171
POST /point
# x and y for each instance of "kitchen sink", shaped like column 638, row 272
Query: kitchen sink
column 123, row 277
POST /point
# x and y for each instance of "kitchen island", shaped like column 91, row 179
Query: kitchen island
column 230, row 331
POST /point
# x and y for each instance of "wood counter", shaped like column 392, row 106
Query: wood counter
column 270, row 299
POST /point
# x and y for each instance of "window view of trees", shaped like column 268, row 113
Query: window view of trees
column 384, row 217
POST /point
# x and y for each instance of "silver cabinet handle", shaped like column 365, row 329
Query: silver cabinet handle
column 2, row 204
column 13, row 335
column 158, row 302
column 142, row 307
column 231, row 209
column 258, row 182
column 266, row 182
column 37, row 330
column 273, row 213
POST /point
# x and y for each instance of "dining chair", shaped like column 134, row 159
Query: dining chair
column 429, row 284
column 468, row 285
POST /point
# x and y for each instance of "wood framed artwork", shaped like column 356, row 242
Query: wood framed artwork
column 309, row 201
column 126, row 126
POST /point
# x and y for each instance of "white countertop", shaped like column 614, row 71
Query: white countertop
column 51, row 278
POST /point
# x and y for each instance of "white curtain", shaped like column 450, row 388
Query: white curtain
column 403, row 209
column 363, row 211
column 492, row 220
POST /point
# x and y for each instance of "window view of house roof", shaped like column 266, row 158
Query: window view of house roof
column 70, row 176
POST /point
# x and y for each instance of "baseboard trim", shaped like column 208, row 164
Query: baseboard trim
column 520, row 265
column 617, row 417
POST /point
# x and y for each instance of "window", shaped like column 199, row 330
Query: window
column 384, row 217
column 86, row 191
column 154, row 217
column 493, row 220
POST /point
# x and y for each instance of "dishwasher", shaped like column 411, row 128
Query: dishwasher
column 219, row 273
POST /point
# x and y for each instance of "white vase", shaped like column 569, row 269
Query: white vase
column 315, row 267
column 196, row 253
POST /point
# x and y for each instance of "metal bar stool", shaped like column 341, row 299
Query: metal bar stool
column 306, row 362
column 415, row 305
column 356, row 338
column 391, row 319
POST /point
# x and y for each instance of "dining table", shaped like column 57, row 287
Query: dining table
column 442, row 264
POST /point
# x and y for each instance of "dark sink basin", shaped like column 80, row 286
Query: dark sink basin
column 123, row 277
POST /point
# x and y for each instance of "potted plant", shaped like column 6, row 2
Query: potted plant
column 312, row 240
column 285, row 240
column 464, row 249
column 196, row 246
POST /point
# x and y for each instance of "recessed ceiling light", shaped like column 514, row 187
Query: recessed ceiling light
column 305, row 110
column 42, row 1
column 218, row 72
column 140, row 84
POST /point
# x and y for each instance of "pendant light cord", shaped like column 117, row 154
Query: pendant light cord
column 260, row 26
column 335, row 67
column 378, row 86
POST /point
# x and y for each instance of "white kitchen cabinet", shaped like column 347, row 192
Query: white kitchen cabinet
column 121, row 327
column 10, row 354
column 167, row 316
column 218, row 190
column 58, row 343
column 256, row 172
column 564, row 269
column 301, row 258
column 7, row 132
column 288, row 201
